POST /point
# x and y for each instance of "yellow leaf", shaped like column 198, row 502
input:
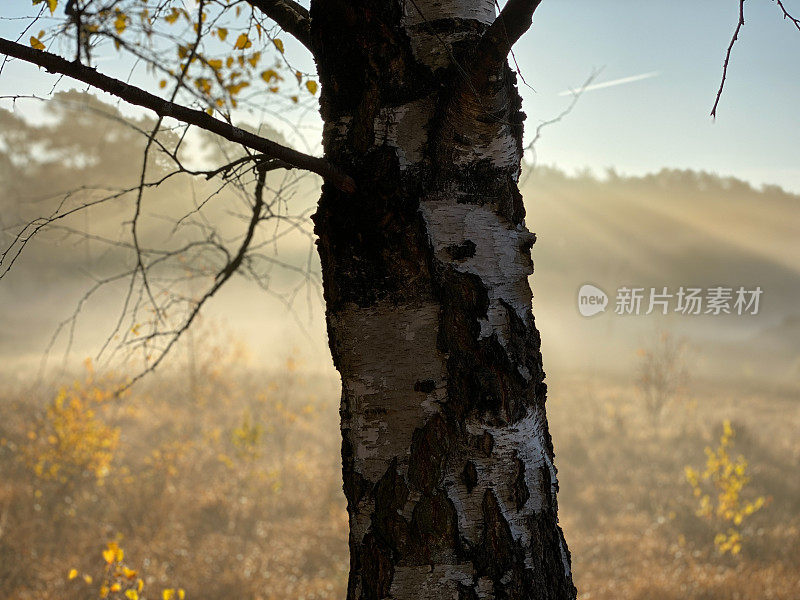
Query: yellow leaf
column 243, row 42
column 269, row 75
column 36, row 44
column 253, row 60
column 173, row 16
column 311, row 85
column 215, row 64
column 73, row 573
column 113, row 553
column 139, row 585
column 88, row 579
column 132, row 594
column 103, row 591
column 129, row 573
column 115, row 587
column 181, row 594
column 222, row 33
column 278, row 44
column 295, row 99
column 52, row 4
column 168, row 594
column 234, row 89
column 121, row 22
column 162, row 84
column 203, row 84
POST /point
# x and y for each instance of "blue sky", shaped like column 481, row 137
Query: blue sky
column 650, row 123
column 664, row 121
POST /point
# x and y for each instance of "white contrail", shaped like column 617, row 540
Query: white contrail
column 612, row 83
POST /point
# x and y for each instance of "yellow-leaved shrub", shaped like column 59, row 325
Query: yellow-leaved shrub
column 719, row 490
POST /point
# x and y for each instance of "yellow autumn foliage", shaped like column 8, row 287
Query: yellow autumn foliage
column 119, row 581
column 71, row 439
column 726, row 477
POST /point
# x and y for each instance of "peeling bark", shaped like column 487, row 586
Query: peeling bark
column 447, row 459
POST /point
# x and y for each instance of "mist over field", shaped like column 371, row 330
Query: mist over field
column 669, row 229
column 223, row 476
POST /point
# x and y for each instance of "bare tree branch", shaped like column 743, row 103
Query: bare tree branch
column 143, row 176
column 512, row 22
column 163, row 108
column 495, row 44
column 289, row 15
column 221, row 277
column 728, row 57
column 787, row 16
column 576, row 95
column 537, row 135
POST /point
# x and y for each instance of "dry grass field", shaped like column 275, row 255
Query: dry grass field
column 225, row 484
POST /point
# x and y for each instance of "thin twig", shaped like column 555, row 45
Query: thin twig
column 739, row 25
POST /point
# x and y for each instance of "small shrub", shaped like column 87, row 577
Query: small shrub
column 661, row 374
column 725, row 478
column 71, row 440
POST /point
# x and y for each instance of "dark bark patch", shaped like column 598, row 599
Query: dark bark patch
column 483, row 183
column 375, row 53
column 496, row 553
column 462, row 251
column 434, row 530
column 519, row 489
column 486, row 443
column 549, row 572
column 426, row 386
column 528, row 242
column 376, row 568
column 469, row 476
column 391, row 494
column 466, row 592
column 372, row 244
column 496, row 379
column 355, row 485
column 546, row 489
column 429, row 447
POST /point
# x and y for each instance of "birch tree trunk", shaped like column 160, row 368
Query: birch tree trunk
column 447, row 459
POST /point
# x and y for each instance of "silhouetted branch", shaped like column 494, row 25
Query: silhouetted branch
column 787, row 16
column 164, row 108
column 289, row 15
column 495, row 44
column 576, row 95
column 221, row 278
column 728, row 57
